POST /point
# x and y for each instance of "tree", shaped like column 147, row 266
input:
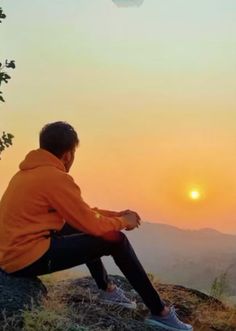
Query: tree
column 220, row 286
column 5, row 138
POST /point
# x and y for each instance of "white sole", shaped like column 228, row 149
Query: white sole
column 163, row 326
column 126, row 305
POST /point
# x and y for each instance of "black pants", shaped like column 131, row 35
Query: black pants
column 70, row 248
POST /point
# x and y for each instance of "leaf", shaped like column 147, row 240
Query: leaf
column 7, row 138
column 1, row 147
column 6, row 76
column 2, row 15
column 10, row 64
column 1, row 99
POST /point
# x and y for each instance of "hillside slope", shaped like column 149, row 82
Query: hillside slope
column 73, row 305
column 186, row 257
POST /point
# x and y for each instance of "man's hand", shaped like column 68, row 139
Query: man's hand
column 132, row 219
column 127, row 211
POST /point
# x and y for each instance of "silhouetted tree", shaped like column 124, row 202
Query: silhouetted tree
column 220, row 286
column 5, row 138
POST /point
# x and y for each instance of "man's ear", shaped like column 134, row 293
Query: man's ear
column 68, row 159
column 65, row 157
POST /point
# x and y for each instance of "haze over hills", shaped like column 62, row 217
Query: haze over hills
column 128, row 3
column 191, row 258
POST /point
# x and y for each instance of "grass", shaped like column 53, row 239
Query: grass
column 72, row 305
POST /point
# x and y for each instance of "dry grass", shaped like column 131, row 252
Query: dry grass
column 204, row 314
column 72, row 305
column 51, row 279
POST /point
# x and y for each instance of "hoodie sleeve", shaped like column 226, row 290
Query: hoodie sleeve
column 65, row 196
column 106, row 212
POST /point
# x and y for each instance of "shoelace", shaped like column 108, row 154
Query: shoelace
column 123, row 296
column 119, row 295
column 175, row 316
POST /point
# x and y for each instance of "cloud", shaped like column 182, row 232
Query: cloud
column 128, row 3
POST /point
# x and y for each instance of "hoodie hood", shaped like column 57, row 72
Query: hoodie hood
column 40, row 158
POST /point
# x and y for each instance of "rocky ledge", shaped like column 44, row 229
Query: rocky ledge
column 73, row 305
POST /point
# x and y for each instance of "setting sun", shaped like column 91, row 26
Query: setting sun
column 195, row 195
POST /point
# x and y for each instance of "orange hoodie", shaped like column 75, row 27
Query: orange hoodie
column 39, row 198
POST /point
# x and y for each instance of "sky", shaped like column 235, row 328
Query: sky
column 151, row 91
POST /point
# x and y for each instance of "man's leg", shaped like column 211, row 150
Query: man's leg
column 96, row 267
column 89, row 248
column 69, row 251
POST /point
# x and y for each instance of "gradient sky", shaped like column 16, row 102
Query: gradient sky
column 151, row 91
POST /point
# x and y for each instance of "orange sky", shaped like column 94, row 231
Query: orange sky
column 151, row 92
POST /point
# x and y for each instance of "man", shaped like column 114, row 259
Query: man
column 35, row 239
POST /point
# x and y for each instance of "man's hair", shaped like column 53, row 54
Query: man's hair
column 58, row 138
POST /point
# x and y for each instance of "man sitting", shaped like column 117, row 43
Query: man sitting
column 46, row 226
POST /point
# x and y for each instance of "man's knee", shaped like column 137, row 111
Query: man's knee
column 115, row 237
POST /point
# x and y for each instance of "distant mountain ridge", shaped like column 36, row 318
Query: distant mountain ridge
column 187, row 257
column 175, row 228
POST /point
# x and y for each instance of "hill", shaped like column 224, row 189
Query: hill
column 185, row 257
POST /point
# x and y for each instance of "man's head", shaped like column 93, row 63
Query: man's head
column 60, row 139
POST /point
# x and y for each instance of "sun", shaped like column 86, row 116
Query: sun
column 195, row 194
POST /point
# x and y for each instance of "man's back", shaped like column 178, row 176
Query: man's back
column 25, row 214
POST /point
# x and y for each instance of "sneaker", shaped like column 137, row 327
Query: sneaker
column 117, row 297
column 170, row 322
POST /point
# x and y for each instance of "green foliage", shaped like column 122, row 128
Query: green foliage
column 2, row 15
column 50, row 319
column 220, row 286
column 4, row 77
column 6, row 138
column 5, row 141
column 151, row 276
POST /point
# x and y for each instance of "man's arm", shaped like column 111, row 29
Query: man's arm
column 65, row 196
column 107, row 212
column 115, row 213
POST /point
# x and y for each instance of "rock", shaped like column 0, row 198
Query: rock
column 82, row 295
column 73, row 304
column 16, row 293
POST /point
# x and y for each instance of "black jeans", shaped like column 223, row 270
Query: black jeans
column 70, row 248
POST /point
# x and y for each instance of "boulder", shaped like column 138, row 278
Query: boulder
column 16, row 293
